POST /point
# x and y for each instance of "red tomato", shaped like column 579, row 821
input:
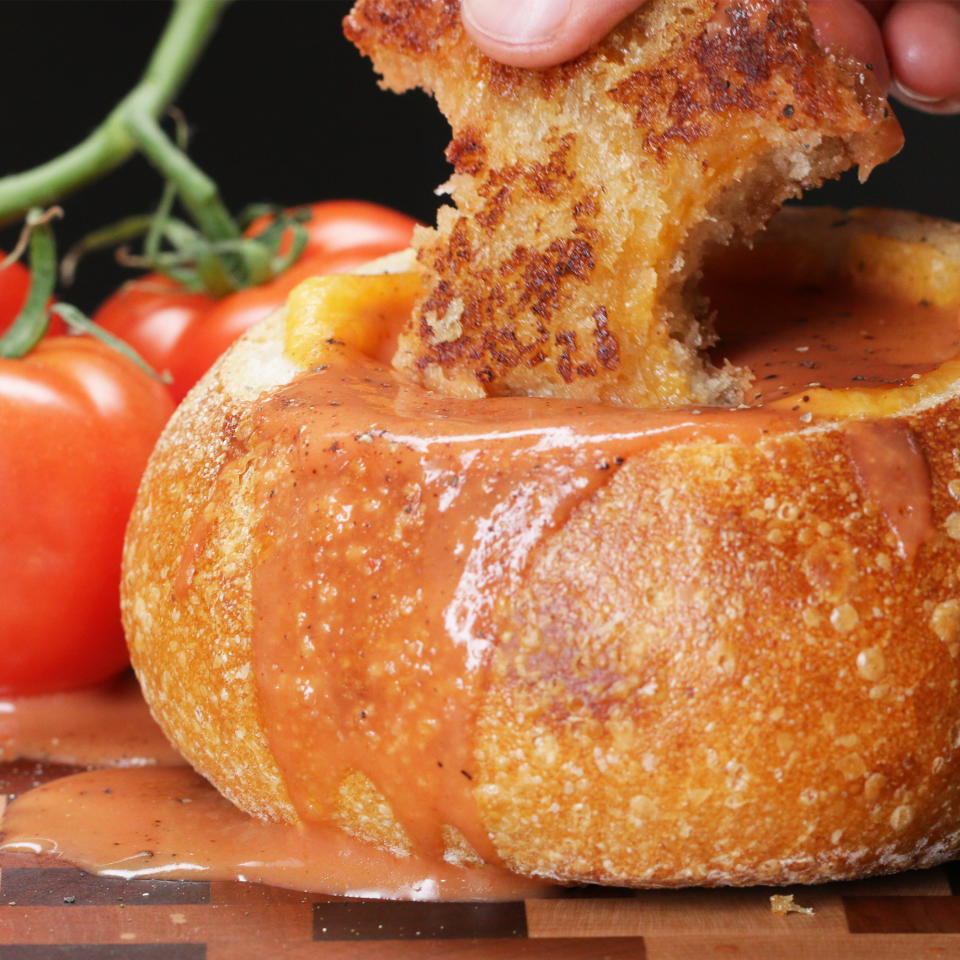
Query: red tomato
column 152, row 313
column 336, row 225
column 184, row 333
column 79, row 421
column 14, row 286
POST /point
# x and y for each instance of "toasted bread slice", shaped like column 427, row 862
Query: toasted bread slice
column 586, row 193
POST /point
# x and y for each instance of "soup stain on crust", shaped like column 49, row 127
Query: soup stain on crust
column 445, row 493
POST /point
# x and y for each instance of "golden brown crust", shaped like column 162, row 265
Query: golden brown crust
column 585, row 193
column 728, row 664
column 187, row 579
column 770, row 699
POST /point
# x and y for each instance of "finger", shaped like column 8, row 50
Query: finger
column 540, row 33
column 923, row 41
column 849, row 26
column 878, row 8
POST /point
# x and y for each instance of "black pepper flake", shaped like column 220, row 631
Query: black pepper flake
column 618, row 461
column 467, row 775
column 603, row 465
column 788, row 111
column 318, row 369
column 772, row 376
column 859, row 377
column 334, row 447
column 363, row 714
column 333, row 403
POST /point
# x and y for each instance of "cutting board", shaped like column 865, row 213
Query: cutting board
column 51, row 910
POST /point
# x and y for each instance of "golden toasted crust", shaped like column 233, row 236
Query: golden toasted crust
column 760, row 689
column 187, row 578
column 586, row 193
column 729, row 663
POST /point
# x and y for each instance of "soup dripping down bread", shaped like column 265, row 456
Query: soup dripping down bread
column 586, row 194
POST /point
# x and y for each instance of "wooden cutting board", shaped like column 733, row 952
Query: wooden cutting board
column 50, row 911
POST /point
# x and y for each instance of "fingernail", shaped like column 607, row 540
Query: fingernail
column 920, row 101
column 913, row 95
column 517, row 22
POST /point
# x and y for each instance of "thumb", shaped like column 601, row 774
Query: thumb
column 541, row 33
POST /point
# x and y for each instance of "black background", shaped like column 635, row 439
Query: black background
column 284, row 109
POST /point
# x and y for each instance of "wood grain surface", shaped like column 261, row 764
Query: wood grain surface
column 49, row 911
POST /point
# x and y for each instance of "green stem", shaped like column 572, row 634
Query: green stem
column 32, row 321
column 199, row 194
column 161, row 217
column 197, row 191
column 190, row 26
column 112, row 236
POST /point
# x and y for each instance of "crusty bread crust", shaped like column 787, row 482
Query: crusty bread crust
column 586, row 193
column 725, row 667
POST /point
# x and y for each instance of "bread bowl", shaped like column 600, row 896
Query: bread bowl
column 664, row 623
column 647, row 647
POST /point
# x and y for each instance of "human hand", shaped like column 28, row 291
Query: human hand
column 912, row 45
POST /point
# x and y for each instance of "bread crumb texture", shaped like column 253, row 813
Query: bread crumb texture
column 783, row 903
column 586, row 194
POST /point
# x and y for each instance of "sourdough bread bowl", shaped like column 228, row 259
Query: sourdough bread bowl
column 603, row 644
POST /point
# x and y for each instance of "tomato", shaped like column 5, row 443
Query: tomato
column 184, row 333
column 336, row 225
column 152, row 313
column 79, row 421
column 14, row 286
